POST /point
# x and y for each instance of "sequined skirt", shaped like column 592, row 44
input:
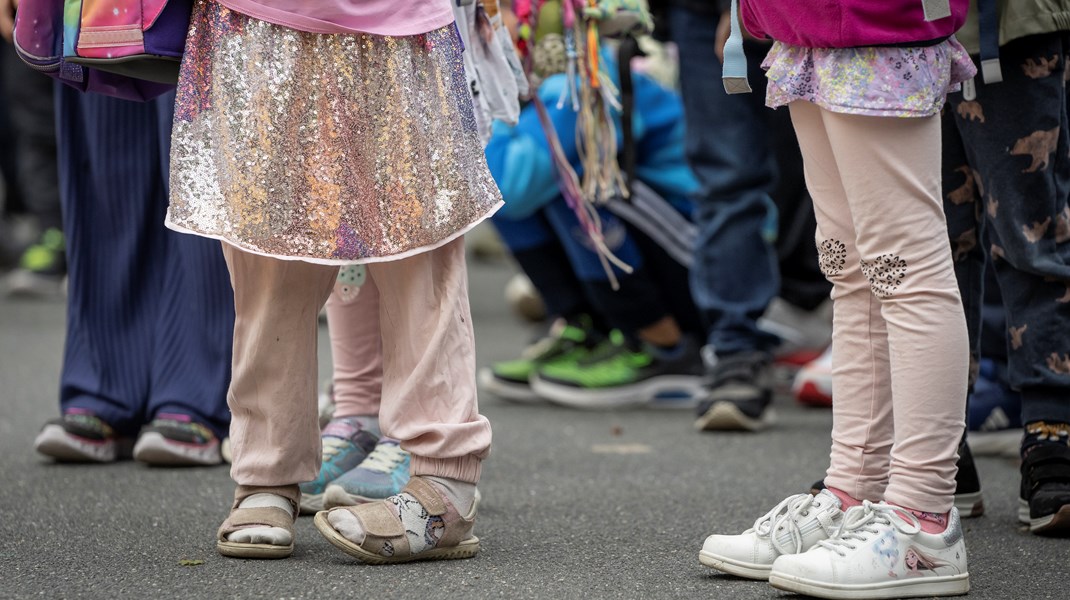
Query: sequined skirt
column 326, row 148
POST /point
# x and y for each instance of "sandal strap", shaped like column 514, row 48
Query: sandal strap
column 243, row 518
column 429, row 497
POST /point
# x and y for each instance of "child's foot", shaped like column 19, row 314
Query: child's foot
column 795, row 525
column 261, row 523
column 176, row 440
column 383, row 474
column 880, row 551
column 423, row 522
column 1044, row 500
column 346, row 443
column 81, row 436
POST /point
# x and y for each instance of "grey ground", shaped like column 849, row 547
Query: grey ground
column 576, row 504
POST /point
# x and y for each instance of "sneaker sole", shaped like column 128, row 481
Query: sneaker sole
column 1006, row 444
column 514, row 392
column 1056, row 524
column 311, row 503
column 55, row 442
column 950, row 585
column 725, row 416
column 688, row 388
column 466, row 549
column 154, row 449
column 970, row 505
column 734, row 567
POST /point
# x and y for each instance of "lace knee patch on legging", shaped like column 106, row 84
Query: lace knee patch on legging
column 885, row 273
column 832, row 256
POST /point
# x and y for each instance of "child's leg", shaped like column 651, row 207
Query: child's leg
column 357, row 351
column 429, row 386
column 274, row 426
column 890, row 170
column 429, row 404
column 862, row 393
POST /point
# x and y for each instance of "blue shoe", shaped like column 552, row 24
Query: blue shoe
column 383, row 474
column 994, row 414
column 345, row 446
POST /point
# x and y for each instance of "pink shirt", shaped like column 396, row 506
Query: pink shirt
column 379, row 17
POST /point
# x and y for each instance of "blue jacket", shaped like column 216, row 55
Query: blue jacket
column 519, row 156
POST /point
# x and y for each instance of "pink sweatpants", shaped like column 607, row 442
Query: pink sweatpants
column 414, row 311
column 899, row 347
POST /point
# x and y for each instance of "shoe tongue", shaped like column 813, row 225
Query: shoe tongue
column 342, row 428
column 827, row 495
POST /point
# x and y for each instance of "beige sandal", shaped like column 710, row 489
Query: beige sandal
column 243, row 518
column 446, row 534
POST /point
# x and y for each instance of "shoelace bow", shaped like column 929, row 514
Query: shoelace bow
column 384, row 458
column 787, row 513
column 860, row 523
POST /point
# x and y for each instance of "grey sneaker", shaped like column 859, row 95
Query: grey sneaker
column 740, row 392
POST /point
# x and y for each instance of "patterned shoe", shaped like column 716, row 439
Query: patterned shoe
column 345, row 445
column 795, row 525
column 417, row 524
column 383, row 474
column 176, row 440
column 80, row 436
column 879, row 551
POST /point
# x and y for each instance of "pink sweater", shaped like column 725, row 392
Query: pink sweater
column 380, row 17
column 847, row 23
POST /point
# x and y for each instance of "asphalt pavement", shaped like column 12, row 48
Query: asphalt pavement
column 575, row 504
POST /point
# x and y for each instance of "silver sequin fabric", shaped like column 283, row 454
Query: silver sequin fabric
column 332, row 149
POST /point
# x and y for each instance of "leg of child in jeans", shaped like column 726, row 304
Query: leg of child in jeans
column 274, row 427
column 429, row 403
column 890, row 211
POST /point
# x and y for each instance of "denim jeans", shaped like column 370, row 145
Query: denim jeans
column 1006, row 184
column 735, row 274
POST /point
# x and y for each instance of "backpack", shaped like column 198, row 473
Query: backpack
column 128, row 49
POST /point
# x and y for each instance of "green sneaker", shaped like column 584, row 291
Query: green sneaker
column 566, row 343
column 621, row 374
column 42, row 267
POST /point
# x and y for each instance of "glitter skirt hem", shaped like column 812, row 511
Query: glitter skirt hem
column 334, row 149
column 331, row 261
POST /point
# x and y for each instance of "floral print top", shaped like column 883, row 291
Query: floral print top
column 876, row 81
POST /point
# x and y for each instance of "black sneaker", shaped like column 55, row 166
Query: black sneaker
column 740, row 392
column 968, row 498
column 1044, row 501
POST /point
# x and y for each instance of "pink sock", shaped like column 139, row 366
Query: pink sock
column 846, row 500
column 930, row 522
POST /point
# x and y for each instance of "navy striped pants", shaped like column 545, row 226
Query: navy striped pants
column 150, row 312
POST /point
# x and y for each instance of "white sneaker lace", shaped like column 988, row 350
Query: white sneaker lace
column 861, row 523
column 384, row 458
column 332, row 446
column 787, row 513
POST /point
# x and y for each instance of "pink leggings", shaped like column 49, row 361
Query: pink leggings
column 899, row 347
column 407, row 339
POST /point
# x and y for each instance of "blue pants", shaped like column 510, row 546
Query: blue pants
column 735, row 274
column 556, row 255
column 1006, row 185
column 150, row 313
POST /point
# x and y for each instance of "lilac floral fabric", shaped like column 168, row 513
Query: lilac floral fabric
column 874, row 81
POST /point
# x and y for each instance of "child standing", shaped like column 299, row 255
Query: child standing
column 865, row 88
column 310, row 135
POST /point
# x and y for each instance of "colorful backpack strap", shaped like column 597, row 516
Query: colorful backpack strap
column 734, row 70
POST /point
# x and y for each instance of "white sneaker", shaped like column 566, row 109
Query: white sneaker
column 879, row 551
column 795, row 525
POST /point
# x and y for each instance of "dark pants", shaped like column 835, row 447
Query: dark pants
column 732, row 151
column 150, row 313
column 554, row 252
column 1006, row 184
